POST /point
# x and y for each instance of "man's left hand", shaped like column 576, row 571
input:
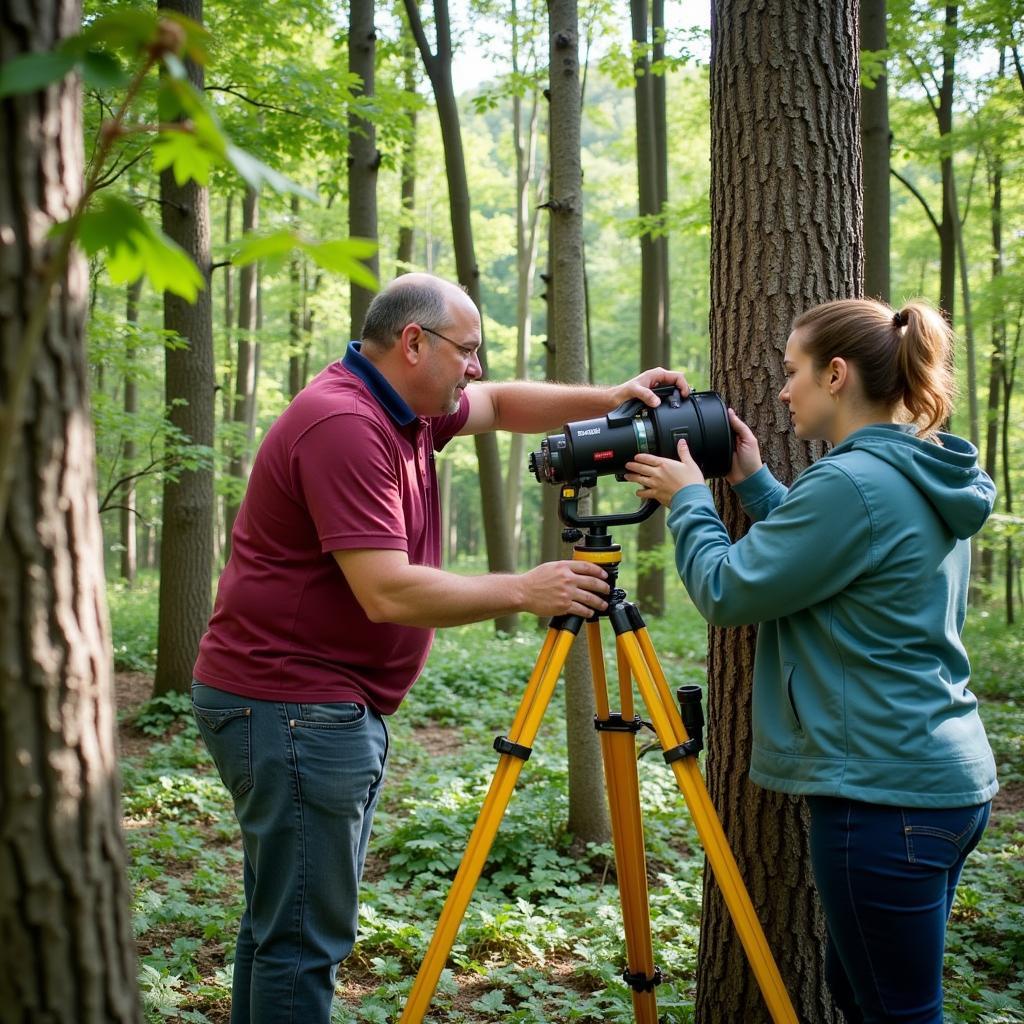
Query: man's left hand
column 641, row 385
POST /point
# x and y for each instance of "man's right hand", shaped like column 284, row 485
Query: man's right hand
column 565, row 588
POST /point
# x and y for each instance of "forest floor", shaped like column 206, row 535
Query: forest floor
column 540, row 942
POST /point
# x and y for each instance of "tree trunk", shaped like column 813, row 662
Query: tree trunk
column 439, row 70
column 295, row 299
column 363, row 158
column 68, row 951
column 406, row 234
column 998, row 329
column 129, row 556
column 186, row 544
column 526, row 263
column 588, row 810
column 947, row 228
column 784, row 135
column 243, row 413
column 651, row 533
column 876, row 143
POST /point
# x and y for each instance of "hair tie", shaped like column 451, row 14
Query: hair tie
column 900, row 319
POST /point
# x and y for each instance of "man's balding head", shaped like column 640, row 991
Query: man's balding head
column 412, row 298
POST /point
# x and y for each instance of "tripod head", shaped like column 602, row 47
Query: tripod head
column 569, row 500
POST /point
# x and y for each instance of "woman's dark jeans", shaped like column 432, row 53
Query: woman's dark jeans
column 305, row 780
column 886, row 877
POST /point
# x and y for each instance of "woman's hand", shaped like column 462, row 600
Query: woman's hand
column 661, row 478
column 746, row 456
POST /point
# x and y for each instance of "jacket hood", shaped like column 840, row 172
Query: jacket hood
column 947, row 473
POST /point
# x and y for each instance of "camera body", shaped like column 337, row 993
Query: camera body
column 588, row 449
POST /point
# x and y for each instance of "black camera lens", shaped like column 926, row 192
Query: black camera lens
column 591, row 448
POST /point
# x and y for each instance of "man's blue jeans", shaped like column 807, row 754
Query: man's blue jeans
column 305, row 779
column 886, row 877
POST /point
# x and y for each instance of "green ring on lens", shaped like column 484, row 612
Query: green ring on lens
column 640, row 429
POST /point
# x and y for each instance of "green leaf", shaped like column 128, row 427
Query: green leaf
column 185, row 154
column 256, row 173
column 254, row 247
column 33, row 71
column 103, row 70
column 126, row 30
column 133, row 247
column 343, row 257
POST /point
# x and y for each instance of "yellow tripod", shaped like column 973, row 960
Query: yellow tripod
column 637, row 660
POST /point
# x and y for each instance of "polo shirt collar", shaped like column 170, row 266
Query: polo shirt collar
column 390, row 400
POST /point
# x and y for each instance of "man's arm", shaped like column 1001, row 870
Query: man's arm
column 389, row 589
column 530, row 407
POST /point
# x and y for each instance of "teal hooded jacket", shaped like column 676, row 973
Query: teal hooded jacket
column 857, row 575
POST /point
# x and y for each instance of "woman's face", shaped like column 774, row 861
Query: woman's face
column 812, row 408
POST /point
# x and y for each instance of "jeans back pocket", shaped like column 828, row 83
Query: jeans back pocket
column 226, row 733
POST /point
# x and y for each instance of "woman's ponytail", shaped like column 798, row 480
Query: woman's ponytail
column 924, row 365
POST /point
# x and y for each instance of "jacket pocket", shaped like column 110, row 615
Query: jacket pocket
column 226, row 733
column 787, row 673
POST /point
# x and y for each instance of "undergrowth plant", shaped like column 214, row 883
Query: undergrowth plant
column 542, row 939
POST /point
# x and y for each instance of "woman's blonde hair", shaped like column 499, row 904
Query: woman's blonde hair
column 903, row 357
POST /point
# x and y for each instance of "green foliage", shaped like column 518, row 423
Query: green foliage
column 158, row 714
column 542, row 939
column 134, row 248
column 133, row 621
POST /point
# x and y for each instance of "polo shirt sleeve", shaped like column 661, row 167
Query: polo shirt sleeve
column 346, row 471
column 444, row 428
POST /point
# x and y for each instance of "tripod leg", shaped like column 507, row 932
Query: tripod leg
column 671, row 733
column 535, row 700
column 618, row 750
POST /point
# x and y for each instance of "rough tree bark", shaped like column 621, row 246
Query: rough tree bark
column 186, row 543
column 786, row 216
column 65, row 926
column 876, row 145
column 588, row 810
column 439, row 70
column 363, row 158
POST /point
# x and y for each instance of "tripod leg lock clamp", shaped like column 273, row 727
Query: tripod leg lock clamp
column 616, row 723
column 691, row 748
column 643, row 982
column 503, row 745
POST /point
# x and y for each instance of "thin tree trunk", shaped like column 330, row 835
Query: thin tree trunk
column 129, row 556
column 243, row 413
column 526, row 262
column 439, row 70
column 950, row 216
column 186, row 545
column 295, row 300
column 998, row 329
column 363, row 158
column 588, row 810
column 445, row 488
column 876, row 143
column 651, row 533
column 406, row 233
column 68, row 950
column 784, row 79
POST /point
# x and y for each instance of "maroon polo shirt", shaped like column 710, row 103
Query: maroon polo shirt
column 347, row 465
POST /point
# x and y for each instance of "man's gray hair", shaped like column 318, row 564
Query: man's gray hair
column 403, row 303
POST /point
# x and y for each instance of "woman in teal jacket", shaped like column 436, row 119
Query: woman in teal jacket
column 857, row 575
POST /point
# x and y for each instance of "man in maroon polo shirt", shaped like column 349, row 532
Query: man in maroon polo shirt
column 326, row 610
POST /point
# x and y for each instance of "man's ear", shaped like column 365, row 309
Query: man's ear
column 411, row 343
